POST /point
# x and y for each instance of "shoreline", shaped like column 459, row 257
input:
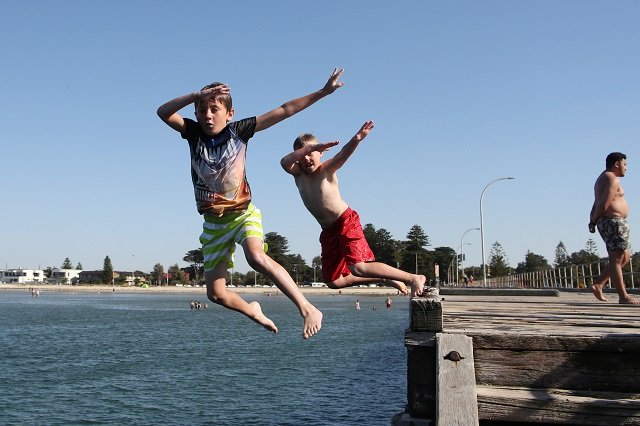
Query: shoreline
column 308, row 291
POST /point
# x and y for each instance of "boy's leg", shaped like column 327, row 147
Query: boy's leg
column 258, row 260
column 351, row 281
column 218, row 293
column 384, row 271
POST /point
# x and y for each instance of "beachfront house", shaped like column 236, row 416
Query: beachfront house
column 21, row 276
column 64, row 276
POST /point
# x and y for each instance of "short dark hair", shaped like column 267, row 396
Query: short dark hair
column 303, row 140
column 223, row 99
column 613, row 158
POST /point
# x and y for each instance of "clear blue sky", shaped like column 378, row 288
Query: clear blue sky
column 462, row 92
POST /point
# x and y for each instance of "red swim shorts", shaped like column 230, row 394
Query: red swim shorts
column 343, row 244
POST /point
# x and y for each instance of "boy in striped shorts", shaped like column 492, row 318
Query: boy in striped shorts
column 218, row 150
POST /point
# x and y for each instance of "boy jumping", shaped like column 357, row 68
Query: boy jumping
column 347, row 259
column 218, row 150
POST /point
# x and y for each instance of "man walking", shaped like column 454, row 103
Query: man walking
column 609, row 215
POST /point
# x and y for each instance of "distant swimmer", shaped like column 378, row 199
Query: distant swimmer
column 609, row 214
column 388, row 303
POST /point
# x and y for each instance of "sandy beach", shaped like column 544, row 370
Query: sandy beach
column 309, row 291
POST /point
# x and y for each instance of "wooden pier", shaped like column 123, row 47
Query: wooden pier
column 564, row 358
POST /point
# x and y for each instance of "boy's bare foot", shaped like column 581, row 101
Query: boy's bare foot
column 312, row 321
column 597, row 292
column 417, row 285
column 261, row 318
column 399, row 285
column 629, row 301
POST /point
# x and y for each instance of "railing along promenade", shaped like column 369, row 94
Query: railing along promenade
column 572, row 276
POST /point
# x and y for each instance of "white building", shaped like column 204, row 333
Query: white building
column 65, row 276
column 21, row 276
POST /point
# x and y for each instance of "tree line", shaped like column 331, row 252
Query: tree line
column 411, row 254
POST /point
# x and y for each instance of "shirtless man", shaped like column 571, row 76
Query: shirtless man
column 609, row 215
column 347, row 259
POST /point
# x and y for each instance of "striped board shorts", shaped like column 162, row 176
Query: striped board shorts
column 221, row 233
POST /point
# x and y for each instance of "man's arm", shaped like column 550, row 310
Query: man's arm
column 341, row 157
column 294, row 106
column 290, row 162
column 168, row 112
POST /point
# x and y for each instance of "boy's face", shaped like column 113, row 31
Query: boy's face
column 213, row 116
column 310, row 162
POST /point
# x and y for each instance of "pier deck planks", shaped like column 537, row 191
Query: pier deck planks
column 563, row 360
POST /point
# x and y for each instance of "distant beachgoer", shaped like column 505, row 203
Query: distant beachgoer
column 218, row 147
column 388, row 303
column 357, row 305
column 347, row 259
column 609, row 214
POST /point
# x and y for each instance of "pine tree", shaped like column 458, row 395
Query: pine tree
column 591, row 247
column 66, row 264
column 562, row 256
column 107, row 271
column 498, row 261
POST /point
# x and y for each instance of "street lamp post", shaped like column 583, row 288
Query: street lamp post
column 462, row 248
column 484, row 263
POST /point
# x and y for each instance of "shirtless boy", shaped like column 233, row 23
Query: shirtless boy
column 609, row 215
column 347, row 259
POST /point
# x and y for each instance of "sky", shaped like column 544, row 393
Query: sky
column 461, row 93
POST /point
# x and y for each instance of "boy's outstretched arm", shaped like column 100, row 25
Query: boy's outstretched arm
column 168, row 112
column 291, row 162
column 294, row 106
column 343, row 155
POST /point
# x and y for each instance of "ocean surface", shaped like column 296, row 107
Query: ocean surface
column 148, row 359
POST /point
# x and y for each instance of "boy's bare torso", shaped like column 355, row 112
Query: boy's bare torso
column 617, row 206
column 321, row 195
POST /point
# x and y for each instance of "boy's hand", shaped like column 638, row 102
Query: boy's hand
column 364, row 130
column 322, row 147
column 222, row 89
column 333, row 83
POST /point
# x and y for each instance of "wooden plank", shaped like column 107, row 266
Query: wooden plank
column 455, row 384
column 513, row 404
column 514, row 341
column 557, row 369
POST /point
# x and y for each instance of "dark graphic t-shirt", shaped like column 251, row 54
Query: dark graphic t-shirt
column 218, row 166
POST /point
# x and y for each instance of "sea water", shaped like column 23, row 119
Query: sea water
column 148, row 359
